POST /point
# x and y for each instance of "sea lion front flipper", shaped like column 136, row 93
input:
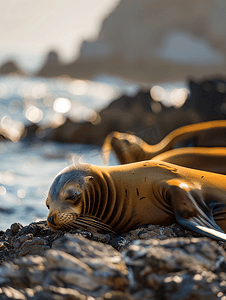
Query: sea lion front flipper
column 195, row 225
column 191, row 211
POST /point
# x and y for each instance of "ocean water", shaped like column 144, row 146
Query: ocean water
column 27, row 169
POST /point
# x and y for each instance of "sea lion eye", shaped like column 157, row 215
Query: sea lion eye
column 74, row 196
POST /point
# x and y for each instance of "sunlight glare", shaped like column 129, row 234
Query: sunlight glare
column 57, row 120
column 179, row 96
column 62, row 105
column 91, row 116
column 39, row 90
column 21, row 193
column 7, row 177
column 34, row 114
column 2, row 190
column 78, row 87
column 101, row 91
column 12, row 129
column 157, row 93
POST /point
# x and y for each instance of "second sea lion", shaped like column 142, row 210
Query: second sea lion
column 211, row 159
column 130, row 148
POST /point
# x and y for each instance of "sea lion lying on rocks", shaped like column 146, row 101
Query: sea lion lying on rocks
column 129, row 148
column 121, row 198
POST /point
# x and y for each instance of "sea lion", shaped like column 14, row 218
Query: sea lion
column 130, row 148
column 122, row 198
column 211, row 159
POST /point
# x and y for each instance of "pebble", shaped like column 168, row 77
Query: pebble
column 16, row 227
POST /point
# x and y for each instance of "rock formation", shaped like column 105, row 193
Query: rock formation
column 147, row 263
column 10, row 67
column 144, row 117
column 156, row 41
column 52, row 66
column 140, row 115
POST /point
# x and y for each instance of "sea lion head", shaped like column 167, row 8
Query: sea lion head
column 127, row 147
column 74, row 199
column 66, row 197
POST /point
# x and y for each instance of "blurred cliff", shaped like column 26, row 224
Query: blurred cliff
column 151, row 41
column 154, row 41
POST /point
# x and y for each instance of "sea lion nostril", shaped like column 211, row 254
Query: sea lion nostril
column 51, row 220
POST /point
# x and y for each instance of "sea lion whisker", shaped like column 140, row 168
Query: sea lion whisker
column 94, row 219
column 42, row 192
column 76, row 225
column 84, row 226
column 67, row 226
column 100, row 225
column 64, row 227
column 91, row 219
column 85, row 223
column 96, row 225
column 91, row 216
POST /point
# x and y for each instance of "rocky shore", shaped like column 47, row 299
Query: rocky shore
column 151, row 262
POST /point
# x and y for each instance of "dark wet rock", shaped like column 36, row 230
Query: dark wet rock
column 208, row 98
column 51, row 66
column 10, row 67
column 138, row 115
column 30, row 131
column 73, row 264
column 176, row 269
column 37, row 237
column 151, row 262
column 16, row 227
column 135, row 114
column 19, row 241
column 77, row 268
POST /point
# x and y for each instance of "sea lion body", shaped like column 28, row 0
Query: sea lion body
column 148, row 192
column 130, row 148
column 201, row 158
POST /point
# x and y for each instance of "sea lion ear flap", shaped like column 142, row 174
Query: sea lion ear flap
column 88, row 178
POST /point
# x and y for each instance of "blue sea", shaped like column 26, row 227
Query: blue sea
column 28, row 169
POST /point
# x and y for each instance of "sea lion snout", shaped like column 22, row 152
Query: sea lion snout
column 60, row 220
column 51, row 220
column 64, row 210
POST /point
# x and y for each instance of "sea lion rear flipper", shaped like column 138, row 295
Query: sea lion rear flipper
column 192, row 213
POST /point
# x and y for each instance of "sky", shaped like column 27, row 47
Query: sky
column 31, row 28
